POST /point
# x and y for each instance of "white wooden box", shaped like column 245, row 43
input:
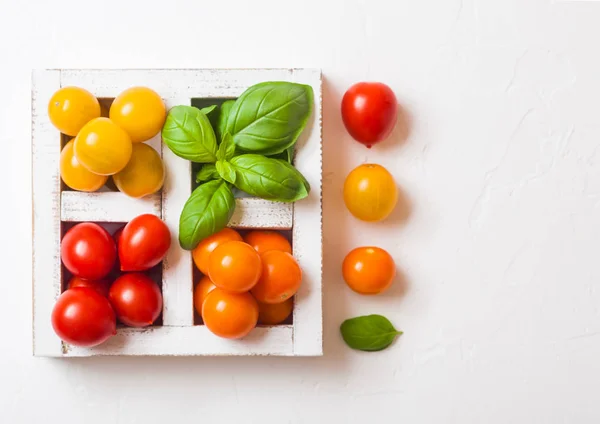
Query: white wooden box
column 178, row 336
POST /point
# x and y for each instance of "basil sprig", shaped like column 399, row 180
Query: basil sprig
column 369, row 333
column 247, row 143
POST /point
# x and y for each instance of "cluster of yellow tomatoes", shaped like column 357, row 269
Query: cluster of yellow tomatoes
column 247, row 280
column 109, row 146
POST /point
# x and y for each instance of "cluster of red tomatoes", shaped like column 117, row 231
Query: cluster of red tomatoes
column 369, row 113
column 247, row 280
column 86, row 313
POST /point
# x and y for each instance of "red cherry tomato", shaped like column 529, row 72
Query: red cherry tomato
column 82, row 317
column 88, row 251
column 369, row 112
column 136, row 299
column 101, row 286
column 143, row 243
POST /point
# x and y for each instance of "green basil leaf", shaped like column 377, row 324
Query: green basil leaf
column 226, row 171
column 208, row 109
column 268, row 117
column 287, row 155
column 221, row 124
column 292, row 169
column 207, row 172
column 206, row 212
column 188, row 133
column 270, row 179
column 226, row 148
column 369, row 333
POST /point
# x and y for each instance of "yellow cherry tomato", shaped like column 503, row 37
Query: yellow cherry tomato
column 70, row 108
column 75, row 175
column 103, row 147
column 143, row 175
column 140, row 112
column 370, row 192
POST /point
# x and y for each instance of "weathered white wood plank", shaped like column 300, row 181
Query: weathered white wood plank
column 181, row 83
column 108, row 206
column 45, row 149
column 191, row 341
column 307, row 235
column 258, row 213
column 177, row 284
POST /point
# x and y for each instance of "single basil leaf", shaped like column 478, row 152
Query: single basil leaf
column 369, row 333
column 270, row 179
column 208, row 109
column 188, row 133
column 268, row 117
column 206, row 212
column 226, row 171
column 226, row 148
column 221, row 123
column 207, row 172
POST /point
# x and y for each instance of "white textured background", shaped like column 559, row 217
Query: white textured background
column 499, row 250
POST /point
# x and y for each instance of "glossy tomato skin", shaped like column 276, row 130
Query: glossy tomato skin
column 100, row 286
column 88, row 251
column 75, row 175
column 370, row 192
column 84, row 318
column 274, row 313
column 70, row 108
column 229, row 315
column 102, row 147
column 140, row 111
column 280, row 279
column 136, row 299
column 203, row 288
column 369, row 270
column 234, row 266
column 143, row 243
column 369, row 112
column 143, row 175
column 201, row 252
column 262, row 241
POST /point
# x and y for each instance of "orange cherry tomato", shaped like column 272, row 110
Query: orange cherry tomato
column 234, row 266
column 229, row 315
column 370, row 192
column 70, row 108
column 369, row 270
column 263, row 241
column 103, row 147
column 280, row 279
column 275, row 313
column 203, row 288
column 140, row 112
column 144, row 173
column 75, row 175
column 205, row 247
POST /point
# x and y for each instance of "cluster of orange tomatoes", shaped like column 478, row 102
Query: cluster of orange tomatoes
column 109, row 146
column 247, row 280
column 369, row 113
